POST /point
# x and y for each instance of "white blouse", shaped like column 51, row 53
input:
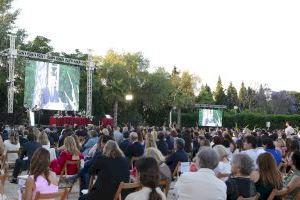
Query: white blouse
column 12, row 157
column 143, row 194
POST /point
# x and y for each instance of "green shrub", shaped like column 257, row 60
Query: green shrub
column 247, row 119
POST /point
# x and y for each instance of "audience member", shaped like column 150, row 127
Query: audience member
column 162, row 144
column 136, row 149
column 223, row 169
column 25, row 157
column 250, row 145
column 12, row 144
column 270, row 147
column 118, row 136
column 148, row 173
column 150, row 140
column 268, row 176
column 71, row 153
column 90, row 142
column 165, row 172
column 202, row 184
column 291, row 183
column 111, row 169
column 40, row 179
column 240, row 183
column 125, row 143
column 1, row 146
column 178, row 156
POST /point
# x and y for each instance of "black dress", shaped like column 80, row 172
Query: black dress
column 240, row 186
column 110, row 172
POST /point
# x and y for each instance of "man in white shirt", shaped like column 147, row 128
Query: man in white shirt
column 250, row 147
column 202, row 184
column 289, row 129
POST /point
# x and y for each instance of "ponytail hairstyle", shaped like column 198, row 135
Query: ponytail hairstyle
column 149, row 176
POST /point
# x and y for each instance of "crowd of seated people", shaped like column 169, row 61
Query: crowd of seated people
column 224, row 163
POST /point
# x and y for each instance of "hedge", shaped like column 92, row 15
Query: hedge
column 250, row 120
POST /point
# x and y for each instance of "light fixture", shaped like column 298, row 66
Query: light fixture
column 129, row 97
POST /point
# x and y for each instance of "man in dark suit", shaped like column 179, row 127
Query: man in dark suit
column 125, row 143
column 136, row 149
column 49, row 94
column 28, row 150
column 162, row 144
column 179, row 156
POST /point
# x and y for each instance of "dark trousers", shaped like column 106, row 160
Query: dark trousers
column 20, row 166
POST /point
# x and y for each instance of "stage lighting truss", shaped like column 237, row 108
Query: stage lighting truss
column 12, row 54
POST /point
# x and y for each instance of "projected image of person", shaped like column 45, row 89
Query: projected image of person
column 208, row 118
column 50, row 98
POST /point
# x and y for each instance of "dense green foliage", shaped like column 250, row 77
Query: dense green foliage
column 250, row 120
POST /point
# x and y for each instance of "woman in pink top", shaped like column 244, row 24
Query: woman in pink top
column 40, row 179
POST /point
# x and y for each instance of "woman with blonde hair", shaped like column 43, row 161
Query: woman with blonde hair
column 70, row 153
column 150, row 141
column 44, row 141
column 165, row 172
column 12, row 144
column 111, row 169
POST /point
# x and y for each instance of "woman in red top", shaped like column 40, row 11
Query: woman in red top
column 70, row 153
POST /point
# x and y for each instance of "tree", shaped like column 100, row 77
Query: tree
column 261, row 98
column 232, row 97
column 40, row 44
column 296, row 96
column 243, row 96
column 219, row 95
column 250, row 101
column 183, row 95
column 205, row 96
column 119, row 74
column 282, row 103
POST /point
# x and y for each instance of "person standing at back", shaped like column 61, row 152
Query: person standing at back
column 202, row 184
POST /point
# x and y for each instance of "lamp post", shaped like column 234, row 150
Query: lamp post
column 173, row 108
column 129, row 98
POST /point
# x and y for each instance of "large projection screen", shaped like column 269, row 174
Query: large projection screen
column 51, row 86
column 210, row 117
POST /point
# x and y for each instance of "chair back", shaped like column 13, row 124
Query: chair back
column 256, row 197
column 176, row 170
column 132, row 161
column 164, row 185
column 126, row 186
column 62, row 195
